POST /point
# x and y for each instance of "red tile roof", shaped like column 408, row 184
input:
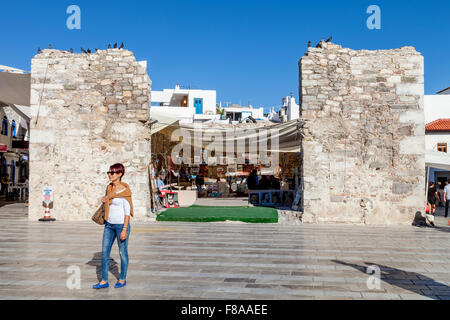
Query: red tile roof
column 438, row 125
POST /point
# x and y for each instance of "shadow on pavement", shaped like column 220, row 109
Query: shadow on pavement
column 96, row 261
column 402, row 279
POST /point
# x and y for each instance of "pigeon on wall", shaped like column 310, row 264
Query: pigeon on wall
column 329, row 39
column 109, row 46
column 71, row 50
column 121, row 46
column 39, row 51
column 115, row 45
column 319, row 45
column 309, row 44
column 82, row 50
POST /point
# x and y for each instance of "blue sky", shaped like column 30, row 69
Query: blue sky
column 246, row 50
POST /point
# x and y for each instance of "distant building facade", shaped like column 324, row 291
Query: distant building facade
column 188, row 105
column 289, row 110
column 236, row 113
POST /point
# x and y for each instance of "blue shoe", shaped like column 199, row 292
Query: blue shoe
column 100, row 286
column 120, row 285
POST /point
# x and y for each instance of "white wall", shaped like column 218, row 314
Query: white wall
column 209, row 100
column 208, row 96
column 436, row 107
column 293, row 111
column 433, row 138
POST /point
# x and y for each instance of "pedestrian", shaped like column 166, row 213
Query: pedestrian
column 447, row 197
column 252, row 180
column 4, row 182
column 199, row 182
column 118, row 209
column 440, row 190
column 432, row 196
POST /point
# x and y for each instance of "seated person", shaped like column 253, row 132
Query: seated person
column 160, row 183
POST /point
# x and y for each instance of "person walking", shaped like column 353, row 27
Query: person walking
column 4, row 182
column 118, row 209
column 432, row 196
column 199, row 182
column 447, row 197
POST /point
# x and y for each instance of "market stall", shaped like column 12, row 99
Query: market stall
column 225, row 174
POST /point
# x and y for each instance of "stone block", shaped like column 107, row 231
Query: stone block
column 410, row 89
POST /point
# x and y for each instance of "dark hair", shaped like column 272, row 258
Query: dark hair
column 118, row 167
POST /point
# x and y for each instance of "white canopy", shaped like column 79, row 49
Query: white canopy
column 164, row 120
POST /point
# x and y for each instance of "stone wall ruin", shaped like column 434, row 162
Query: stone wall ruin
column 88, row 111
column 363, row 147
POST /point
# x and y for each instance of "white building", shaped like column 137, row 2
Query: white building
column 15, row 121
column 289, row 110
column 236, row 113
column 187, row 105
column 437, row 129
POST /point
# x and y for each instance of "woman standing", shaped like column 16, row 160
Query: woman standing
column 118, row 208
column 432, row 196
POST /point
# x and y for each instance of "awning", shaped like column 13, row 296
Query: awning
column 287, row 134
column 438, row 160
column 14, row 89
column 163, row 120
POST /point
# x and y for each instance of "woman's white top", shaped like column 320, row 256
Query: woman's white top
column 118, row 209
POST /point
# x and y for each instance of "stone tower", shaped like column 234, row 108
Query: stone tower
column 88, row 111
column 364, row 138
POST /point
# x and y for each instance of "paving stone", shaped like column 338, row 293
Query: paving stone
column 224, row 261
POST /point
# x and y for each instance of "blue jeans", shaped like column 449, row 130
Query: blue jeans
column 110, row 233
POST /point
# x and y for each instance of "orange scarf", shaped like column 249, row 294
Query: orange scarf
column 123, row 194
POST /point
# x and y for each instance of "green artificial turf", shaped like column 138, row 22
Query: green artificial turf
column 209, row 214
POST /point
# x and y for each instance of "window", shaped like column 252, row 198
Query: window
column 5, row 126
column 13, row 129
column 442, row 147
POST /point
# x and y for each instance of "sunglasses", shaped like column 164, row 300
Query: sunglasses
column 112, row 172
